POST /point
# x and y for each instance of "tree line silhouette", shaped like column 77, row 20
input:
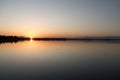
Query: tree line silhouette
column 14, row 39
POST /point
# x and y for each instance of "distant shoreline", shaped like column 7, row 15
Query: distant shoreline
column 14, row 39
column 7, row 38
column 82, row 38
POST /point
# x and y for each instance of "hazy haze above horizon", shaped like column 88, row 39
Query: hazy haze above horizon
column 49, row 18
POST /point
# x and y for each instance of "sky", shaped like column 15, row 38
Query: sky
column 60, row 18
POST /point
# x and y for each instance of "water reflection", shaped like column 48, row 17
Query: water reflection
column 12, row 41
column 31, row 40
column 59, row 60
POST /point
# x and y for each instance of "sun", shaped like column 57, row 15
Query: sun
column 31, row 39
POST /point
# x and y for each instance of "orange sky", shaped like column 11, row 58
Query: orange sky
column 59, row 18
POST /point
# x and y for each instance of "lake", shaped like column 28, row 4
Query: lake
column 60, row 60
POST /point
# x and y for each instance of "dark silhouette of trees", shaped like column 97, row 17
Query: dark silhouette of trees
column 12, row 39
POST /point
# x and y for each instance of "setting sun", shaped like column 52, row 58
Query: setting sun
column 31, row 39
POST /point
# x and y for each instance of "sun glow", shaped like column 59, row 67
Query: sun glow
column 31, row 39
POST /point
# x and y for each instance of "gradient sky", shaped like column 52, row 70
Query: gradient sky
column 50, row 18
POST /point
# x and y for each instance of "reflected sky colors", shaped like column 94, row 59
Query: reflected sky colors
column 59, row 60
column 28, row 51
column 51, row 18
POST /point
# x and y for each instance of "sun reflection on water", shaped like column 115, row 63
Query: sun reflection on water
column 31, row 39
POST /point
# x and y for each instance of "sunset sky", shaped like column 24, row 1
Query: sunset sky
column 60, row 18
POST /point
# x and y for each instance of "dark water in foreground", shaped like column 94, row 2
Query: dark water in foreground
column 60, row 60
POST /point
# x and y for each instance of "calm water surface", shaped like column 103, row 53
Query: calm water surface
column 59, row 60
